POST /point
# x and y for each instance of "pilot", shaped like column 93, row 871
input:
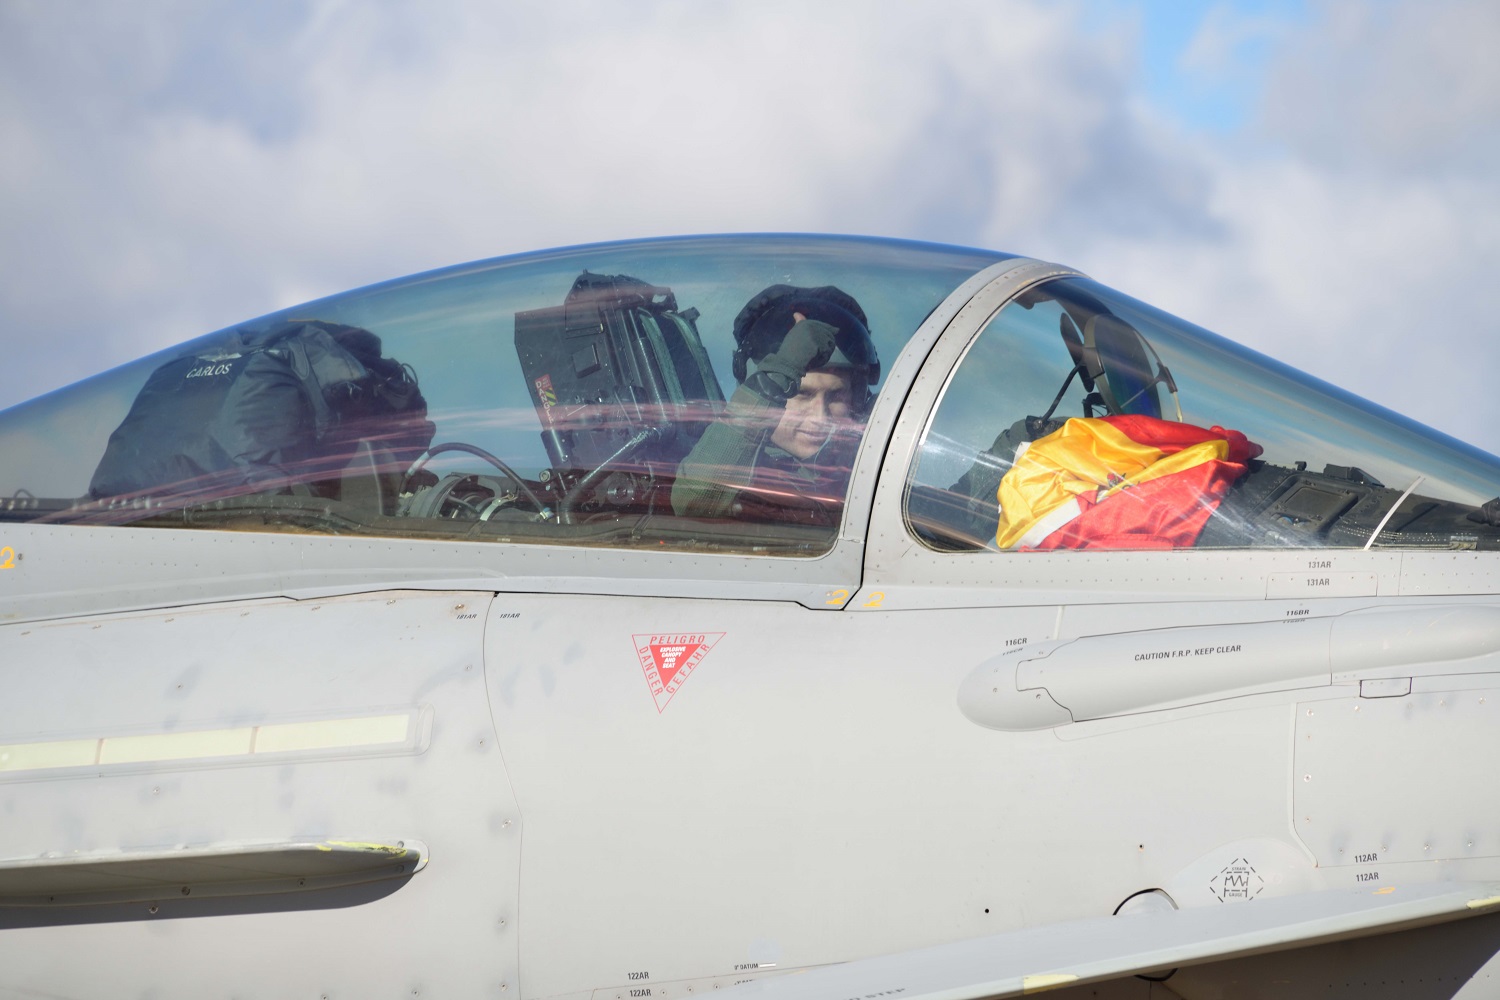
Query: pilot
column 788, row 439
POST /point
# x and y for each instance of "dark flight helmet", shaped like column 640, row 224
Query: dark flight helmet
column 766, row 319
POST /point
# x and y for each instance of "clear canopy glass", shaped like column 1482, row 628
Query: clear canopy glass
column 561, row 397
column 1082, row 418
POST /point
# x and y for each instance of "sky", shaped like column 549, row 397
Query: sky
column 1316, row 179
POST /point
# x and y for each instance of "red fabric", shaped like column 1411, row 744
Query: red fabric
column 1171, row 437
column 1164, row 513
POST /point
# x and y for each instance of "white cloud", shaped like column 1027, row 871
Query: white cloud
column 1217, row 50
column 168, row 172
column 414, row 142
column 1339, row 249
column 1380, row 87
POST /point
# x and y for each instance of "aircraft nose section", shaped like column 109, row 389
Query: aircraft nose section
column 992, row 695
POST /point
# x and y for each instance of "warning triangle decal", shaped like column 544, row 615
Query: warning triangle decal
column 669, row 658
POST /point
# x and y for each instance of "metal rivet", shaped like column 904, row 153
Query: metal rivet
column 152, row 908
column 187, row 890
column 1307, row 777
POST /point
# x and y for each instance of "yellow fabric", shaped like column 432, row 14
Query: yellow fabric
column 1084, row 457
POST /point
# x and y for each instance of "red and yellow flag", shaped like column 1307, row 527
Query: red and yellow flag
column 1126, row 482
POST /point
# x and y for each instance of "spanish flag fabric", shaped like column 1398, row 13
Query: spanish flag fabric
column 1125, row 482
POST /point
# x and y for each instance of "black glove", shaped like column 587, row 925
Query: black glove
column 1488, row 514
column 807, row 345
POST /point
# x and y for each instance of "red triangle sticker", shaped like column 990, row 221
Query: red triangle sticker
column 668, row 659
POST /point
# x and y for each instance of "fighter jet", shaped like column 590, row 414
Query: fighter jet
column 785, row 616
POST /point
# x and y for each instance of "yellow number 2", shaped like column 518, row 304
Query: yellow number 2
column 837, row 597
column 7, row 558
column 875, row 598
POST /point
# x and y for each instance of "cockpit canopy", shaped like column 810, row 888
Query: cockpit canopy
column 1082, row 418
column 585, row 397
column 545, row 398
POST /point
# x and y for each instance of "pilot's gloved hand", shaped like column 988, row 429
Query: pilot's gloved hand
column 1024, row 430
column 777, row 377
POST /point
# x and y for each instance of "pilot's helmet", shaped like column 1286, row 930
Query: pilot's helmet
column 769, row 316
